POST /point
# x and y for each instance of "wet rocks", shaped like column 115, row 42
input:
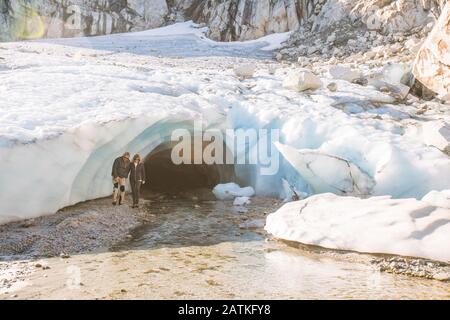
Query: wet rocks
column 442, row 276
column 70, row 231
column 41, row 265
column 64, row 255
column 253, row 224
column 301, row 81
column 414, row 267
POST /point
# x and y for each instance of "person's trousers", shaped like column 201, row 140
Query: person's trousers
column 119, row 189
column 136, row 191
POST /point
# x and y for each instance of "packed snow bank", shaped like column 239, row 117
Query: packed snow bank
column 407, row 227
column 438, row 198
column 268, row 43
column 229, row 191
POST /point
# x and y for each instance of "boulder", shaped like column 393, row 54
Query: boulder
column 397, row 90
column 245, row 71
column 301, row 81
column 343, row 73
column 432, row 64
column 396, row 73
column 393, row 79
column 332, row 86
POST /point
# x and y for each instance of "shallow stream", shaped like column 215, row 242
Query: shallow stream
column 194, row 247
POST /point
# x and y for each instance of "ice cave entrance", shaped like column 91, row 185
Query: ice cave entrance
column 165, row 176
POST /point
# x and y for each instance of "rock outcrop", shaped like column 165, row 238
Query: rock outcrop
column 432, row 65
column 30, row 19
column 301, row 81
column 345, row 27
column 384, row 16
column 249, row 19
column 228, row 20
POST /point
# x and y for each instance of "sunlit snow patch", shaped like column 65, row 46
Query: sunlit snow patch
column 406, row 227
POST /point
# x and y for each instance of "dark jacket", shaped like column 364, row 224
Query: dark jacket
column 137, row 172
column 121, row 168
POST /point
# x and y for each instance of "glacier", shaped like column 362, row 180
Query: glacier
column 68, row 107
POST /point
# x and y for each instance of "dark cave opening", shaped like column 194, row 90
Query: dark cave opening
column 165, row 176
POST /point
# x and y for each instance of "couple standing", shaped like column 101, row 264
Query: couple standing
column 122, row 168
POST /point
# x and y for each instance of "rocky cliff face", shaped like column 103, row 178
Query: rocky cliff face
column 249, row 19
column 25, row 19
column 227, row 19
column 432, row 64
column 385, row 16
column 349, row 26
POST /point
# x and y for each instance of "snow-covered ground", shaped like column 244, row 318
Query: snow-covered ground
column 68, row 107
column 409, row 227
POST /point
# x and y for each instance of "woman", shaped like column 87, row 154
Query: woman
column 137, row 178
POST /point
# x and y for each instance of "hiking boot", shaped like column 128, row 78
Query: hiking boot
column 114, row 203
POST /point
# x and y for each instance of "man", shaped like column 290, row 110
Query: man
column 137, row 178
column 120, row 172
